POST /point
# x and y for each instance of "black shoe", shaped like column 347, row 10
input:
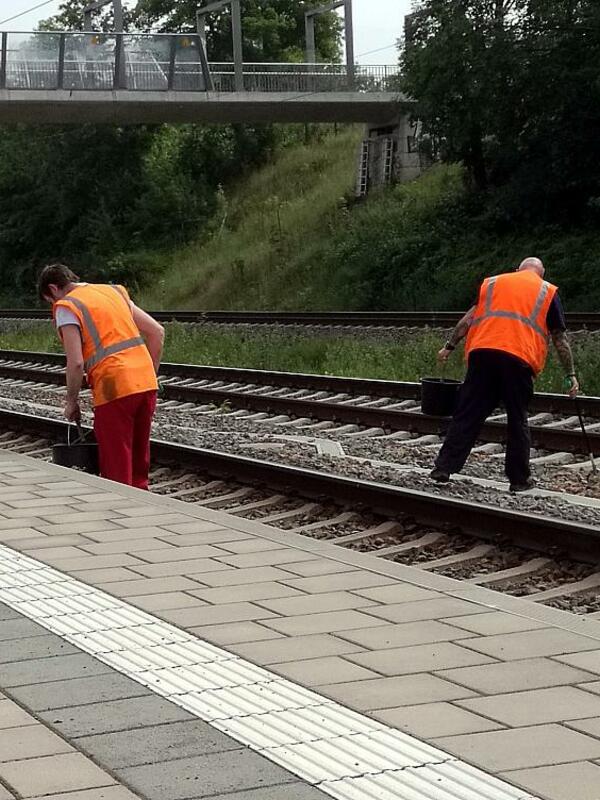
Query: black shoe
column 439, row 475
column 523, row 487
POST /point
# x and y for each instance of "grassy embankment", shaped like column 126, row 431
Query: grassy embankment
column 290, row 236
column 409, row 358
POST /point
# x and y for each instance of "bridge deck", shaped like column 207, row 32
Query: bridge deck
column 126, row 107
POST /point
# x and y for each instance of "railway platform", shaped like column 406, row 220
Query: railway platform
column 155, row 649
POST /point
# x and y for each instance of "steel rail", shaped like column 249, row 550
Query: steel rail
column 555, row 439
column 392, row 319
column 486, row 521
column 401, row 390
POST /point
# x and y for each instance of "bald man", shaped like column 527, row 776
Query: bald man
column 507, row 332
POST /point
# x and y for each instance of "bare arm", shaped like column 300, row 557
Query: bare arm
column 153, row 333
column 457, row 335
column 71, row 338
column 565, row 356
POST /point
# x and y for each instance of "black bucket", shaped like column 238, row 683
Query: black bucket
column 80, row 454
column 439, row 396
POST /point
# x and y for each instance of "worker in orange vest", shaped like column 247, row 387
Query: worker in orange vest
column 507, row 343
column 118, row 347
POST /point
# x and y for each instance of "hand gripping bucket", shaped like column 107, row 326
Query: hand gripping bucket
column 439, row 396
column 79, row 454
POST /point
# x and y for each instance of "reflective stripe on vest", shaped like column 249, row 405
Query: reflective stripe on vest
column 100, row 352
column 530, row 321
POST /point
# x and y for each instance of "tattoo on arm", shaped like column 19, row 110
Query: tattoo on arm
column 563, row 349
column 462, row 328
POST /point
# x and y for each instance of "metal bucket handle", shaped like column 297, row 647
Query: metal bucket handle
column 82, row 434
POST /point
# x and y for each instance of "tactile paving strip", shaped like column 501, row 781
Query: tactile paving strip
column 345, row 754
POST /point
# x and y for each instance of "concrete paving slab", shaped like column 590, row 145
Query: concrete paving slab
column 30, row 741
column 292, row 791
column 507, row 676
column 12, row 629
column 105, row 793
column 358, row 579
column 371, row 695
column 579, row 781
column 43, row 541
column 114, row 715
column 527, row 644
column 198, row 526
column 318, row 566
column 151, row 518
column 234, row 577
column 5, row 794
column 13, row 716
column 205, row 776
column 383, row 637
column 198, row 568
column 496, row 622
column 332, row 621
column 85, row 561
column 246, row 591
column 329, row 670
column 163, row 556
column 333, row 601
column 124, row 546
column 168, row 600
column 589, row 661
column 98, row 577
column 144, row 586
column 236, row 632
column 77, row 691
column 591, row 726
column 53, row 774
column 436, row 609
column 557, row 704
column 270, row 558
column 215, row 615
column 591, row 687
column 7, row 613
column 300, row 647
column 397, row 592
column 252, row 545
column 157, row 743
column 42, row 646
column 432, row 720
column 540, row 745
column 418, row 658
column 43, row 670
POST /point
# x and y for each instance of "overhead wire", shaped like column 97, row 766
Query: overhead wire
column 27, row 11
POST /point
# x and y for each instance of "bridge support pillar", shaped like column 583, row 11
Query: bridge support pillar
column 388, row 154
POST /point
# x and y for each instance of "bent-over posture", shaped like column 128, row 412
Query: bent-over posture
column 118, row 347
column 507, row 343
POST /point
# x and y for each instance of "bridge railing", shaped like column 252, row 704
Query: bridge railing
column 161, row 62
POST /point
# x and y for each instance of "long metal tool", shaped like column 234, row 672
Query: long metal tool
column 595, row 476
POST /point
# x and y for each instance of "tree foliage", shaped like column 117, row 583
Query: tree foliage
column 273, row 29
column 512, row 89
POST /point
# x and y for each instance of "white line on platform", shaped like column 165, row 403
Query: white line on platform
column 344, row 754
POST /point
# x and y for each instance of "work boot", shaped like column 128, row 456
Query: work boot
column 523, row 487
column 439, row 475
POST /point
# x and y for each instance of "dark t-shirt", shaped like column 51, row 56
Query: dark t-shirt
column 555, row 318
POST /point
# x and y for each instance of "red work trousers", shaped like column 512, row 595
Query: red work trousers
column 122, row 429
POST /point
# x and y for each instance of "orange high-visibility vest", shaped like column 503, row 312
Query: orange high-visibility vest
column 511, row 316
column 116, row 359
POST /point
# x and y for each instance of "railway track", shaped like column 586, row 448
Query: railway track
column 376, row 319
column 548, row 559
column 372, row 405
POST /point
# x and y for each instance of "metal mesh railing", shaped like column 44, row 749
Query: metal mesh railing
column 161, row 62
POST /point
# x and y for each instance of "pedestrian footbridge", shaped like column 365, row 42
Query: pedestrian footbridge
column 61, row 77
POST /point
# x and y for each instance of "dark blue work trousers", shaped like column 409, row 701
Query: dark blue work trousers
column 493, row 378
